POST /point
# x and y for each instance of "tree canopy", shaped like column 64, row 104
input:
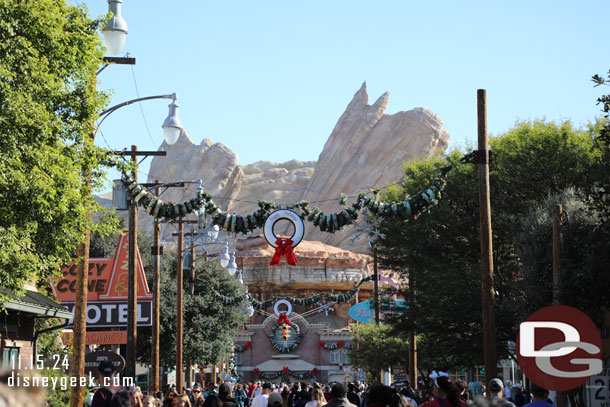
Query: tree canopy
column 49, row 54
column 439, row 254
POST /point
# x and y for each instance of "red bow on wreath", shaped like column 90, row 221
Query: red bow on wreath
column 340, row 345
column 256, row 371
column 283, row 319
column 314, row 371
column 284, row 248
column 285, row 370
column 249, row 345
column 320, row 345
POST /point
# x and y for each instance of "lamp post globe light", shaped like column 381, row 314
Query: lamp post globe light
column 115, row 31
column 172, row 126
column 224, row 256
column 232, row 267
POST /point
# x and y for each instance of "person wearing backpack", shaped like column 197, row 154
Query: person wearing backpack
column 103, row 395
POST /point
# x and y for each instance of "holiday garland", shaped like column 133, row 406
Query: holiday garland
column 285, row 371
column 335, row 346
column 237, row 348
column 233, row 223
column 309, row 301
column 285, row 349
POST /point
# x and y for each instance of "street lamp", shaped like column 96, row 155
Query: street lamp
column 172, row 126
column 224, row 256
column 232, row 267
column 115, row 30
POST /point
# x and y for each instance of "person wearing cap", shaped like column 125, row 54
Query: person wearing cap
column 495, row 391
column 262, row 399
column 520, row 399
column 225, row 391
column 275, row 400
column 103, row 395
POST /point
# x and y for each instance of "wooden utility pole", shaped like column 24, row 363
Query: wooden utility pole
column 487, row 269
column 412, row 337
column 376, row 299
column 179, row 309
column 376, row 286
column 557, row 211
column 132, row 279
column 561, row 399
column 156, row 252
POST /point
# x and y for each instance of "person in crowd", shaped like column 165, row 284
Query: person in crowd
column 303, row 396
column 475, row 389
column 262, row 399
column 352, row 396
column 294, row 395
column 212, row 401
column 172, row 401
column 149, row 401
column 338, row 396
column 225, row 391
column 186, row 401
column 446, row 394
column 379, row 396
column 240, row 396
column 122, row 398
column 103, row 395
column 463, row 386
column 409, row 396
column 317, row 398
column 285, row 396
column 274, row 400
column 326, row 390
column 210, row 390
column 519, row 399
column 540, row 397
column 495, row 390
column 197, row 396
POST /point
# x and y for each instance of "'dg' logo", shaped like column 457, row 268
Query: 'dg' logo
column 559, row 348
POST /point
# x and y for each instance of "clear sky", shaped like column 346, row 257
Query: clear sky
column 269, row 79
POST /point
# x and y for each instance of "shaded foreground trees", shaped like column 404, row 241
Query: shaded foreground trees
column 49, row 54
column 441, row 250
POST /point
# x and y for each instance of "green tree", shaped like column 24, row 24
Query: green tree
column 376, row 348
column 440, row 252
column 49, row 54
column 209, row 324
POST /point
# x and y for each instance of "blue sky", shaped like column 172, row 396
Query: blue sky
column 269, row 79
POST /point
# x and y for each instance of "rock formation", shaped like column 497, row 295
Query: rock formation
column 366, row 149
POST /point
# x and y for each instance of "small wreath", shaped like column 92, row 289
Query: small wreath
column 280, row 347
column 277, row 311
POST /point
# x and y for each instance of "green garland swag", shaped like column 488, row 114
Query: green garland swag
column 233, row 223
column 335, row 346
column 309, row 301
column 285, row 349
column 296, row 375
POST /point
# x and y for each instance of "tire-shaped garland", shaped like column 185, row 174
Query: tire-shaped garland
column 297, row 341
column 233, row 223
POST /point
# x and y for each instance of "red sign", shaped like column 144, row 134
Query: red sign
column 559, row 348
column 98, row 338
column 107, row 277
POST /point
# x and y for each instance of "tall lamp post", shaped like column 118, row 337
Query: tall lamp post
column 114, row 30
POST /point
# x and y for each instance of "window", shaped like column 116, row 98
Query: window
column 238, row 359
column 339, row 356
column 9, row 355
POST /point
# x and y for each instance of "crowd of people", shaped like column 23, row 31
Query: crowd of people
column 436, row 392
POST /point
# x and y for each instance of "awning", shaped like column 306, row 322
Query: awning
column 35, row 303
